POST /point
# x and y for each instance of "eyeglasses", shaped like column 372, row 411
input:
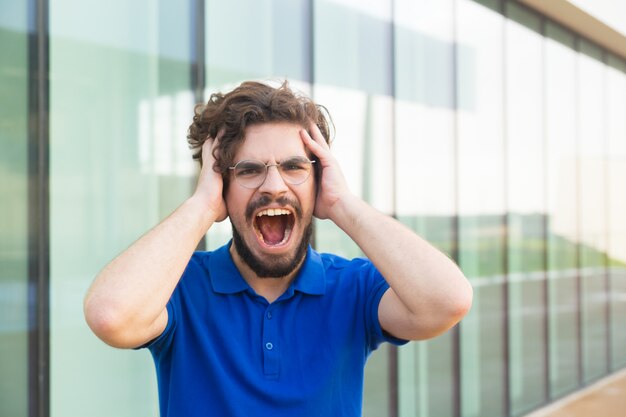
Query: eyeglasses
column 252, row 174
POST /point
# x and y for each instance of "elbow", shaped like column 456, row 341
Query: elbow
column 105, row 322
column 451, row 311
column 460, row 303
column 463, row 303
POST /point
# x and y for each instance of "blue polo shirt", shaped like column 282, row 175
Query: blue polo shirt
column 227, row 352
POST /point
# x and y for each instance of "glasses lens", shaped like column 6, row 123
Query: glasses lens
column 250, row 174
column 295, row 170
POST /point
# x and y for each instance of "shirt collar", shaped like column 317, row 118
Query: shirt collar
column 225, row 276
column 311, row 278
column 226, row 279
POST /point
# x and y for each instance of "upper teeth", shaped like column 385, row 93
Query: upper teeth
column 272, row 212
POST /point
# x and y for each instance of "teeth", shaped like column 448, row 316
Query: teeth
column 273, row 212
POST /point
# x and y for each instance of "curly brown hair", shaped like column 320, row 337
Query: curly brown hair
column 249, row 104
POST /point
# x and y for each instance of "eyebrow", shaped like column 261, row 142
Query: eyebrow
column 278, row 161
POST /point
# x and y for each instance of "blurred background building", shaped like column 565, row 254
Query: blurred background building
column 494, row 128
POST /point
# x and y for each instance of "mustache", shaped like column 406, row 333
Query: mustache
column 267, row 200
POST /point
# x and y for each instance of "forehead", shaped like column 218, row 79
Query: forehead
column 271, row 142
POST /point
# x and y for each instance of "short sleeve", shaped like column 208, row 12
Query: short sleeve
column 164, row 340
column 376, row 333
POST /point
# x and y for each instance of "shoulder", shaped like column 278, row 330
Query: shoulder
column 202, row 262
column 356, row 273
column 336, row 263
column 198, row 264
column 196, row 272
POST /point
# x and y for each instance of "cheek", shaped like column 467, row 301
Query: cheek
column 308, row 199
column 235, row 203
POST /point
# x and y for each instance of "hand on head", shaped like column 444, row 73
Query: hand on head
column 332, row 185
column 210, row 182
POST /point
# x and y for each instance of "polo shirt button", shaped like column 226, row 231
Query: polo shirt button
column 269, row 346
column 268, row 315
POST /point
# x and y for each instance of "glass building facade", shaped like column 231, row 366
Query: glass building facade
column 492, row 131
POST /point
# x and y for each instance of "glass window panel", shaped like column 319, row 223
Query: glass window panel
column 14, row 209
column 363, row 117
column 616, row 126
column 257, row 39
column 280, row 31
column 119, row 163
column 593, row 243
column 425, row 180
column 426, row 378
column 562, row 223
column 353, row 80
column 362, row 59
column 526, row 209
column 481, row 206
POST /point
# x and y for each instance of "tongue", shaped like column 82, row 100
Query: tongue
column 272, row 228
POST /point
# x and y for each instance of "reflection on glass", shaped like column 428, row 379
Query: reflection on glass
column 425, row 182
column 280, row 31
column 13, row 210
column 477, row 116
column 526, row 210
column 616, row 129
column 362, row 144
column 562, row 232
column 257, row 39
column 481, row 207
column 592, row 200
column 352, row 45
column 119, row 164
column 353, row 80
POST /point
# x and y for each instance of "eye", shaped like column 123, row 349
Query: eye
column 249, row 169
column 295, row 164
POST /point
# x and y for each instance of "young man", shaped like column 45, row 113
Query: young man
column 266, row 325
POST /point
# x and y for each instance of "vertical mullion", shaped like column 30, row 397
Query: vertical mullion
column 198, row 55
column 546, row 287
column 577, row 139
column 505, row 218
column 606, row 172
column 309, row 30
column 393, row 350
column 311, row 79
column 38, row 211
column 198, row 66
column 456, row 335
column 393, row 380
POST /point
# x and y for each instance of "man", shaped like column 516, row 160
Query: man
column 266, row 325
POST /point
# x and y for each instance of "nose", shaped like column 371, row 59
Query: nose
column 274, row 183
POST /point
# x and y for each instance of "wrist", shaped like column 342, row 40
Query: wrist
column 347, row 211
column 200, row 205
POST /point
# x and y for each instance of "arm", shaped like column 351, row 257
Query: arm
column 126, row 304
column 428, row 293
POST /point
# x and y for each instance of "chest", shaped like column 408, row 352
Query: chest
column 293, row 341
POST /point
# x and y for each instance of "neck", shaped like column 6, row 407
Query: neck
column 268, row 288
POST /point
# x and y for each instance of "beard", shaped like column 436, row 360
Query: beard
column 273, row 266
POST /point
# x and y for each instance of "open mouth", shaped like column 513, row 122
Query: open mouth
column 273, row 226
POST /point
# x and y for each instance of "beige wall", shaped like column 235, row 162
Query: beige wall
column 611, row 12
column 581, row 21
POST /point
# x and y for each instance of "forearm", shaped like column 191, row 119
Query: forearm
column 428, row 294
column 130, row 293
column 430, row 286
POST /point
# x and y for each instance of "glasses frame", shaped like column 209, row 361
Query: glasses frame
column 268, row 166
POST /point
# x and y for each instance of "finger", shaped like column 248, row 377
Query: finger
column 207, row 148
column 220, row 133
column 316, row 133
column 314, row 146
